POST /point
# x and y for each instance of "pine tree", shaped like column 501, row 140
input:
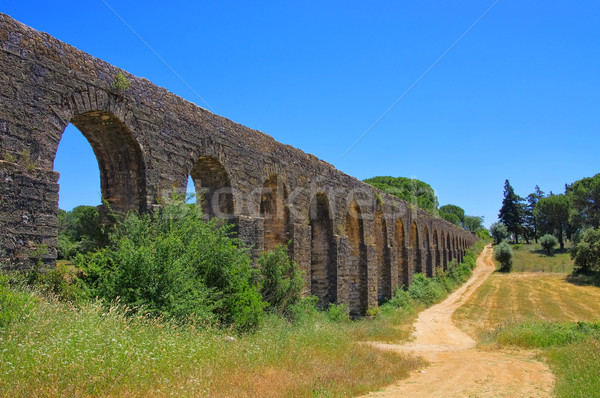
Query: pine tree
column 530, row 224
column 511, row 213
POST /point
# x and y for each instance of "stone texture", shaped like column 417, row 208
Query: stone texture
column 148, row 141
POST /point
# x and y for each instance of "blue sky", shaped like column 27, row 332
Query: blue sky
column 517, row 97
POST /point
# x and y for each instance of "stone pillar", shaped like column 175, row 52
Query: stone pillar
column 251, row 231
column 28, row 215
column 300, row 251
column 341, row 250
column 370, row 264
column 393, row 264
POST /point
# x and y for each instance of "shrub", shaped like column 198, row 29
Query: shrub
column 280, row 279
column 484, row 234
column 121, row 83
column 499, row 232
column 425, row 290
column 504, row 254
column 337, row 313
column 548, row 242
column 587, row 252
column 177, row 266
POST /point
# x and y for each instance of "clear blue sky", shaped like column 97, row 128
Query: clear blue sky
column 517, row 97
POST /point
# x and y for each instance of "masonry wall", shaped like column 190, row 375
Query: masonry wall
column 148, row 141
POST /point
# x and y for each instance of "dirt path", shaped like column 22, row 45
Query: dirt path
column 458, row 369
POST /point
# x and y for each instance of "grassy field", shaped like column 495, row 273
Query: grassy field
column 542, row 310
column 532, row 258
column 56, row 349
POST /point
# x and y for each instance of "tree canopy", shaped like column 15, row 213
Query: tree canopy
column 511, row 212
column 410, row 190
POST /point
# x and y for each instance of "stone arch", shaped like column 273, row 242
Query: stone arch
column 384, row 273
column 426, row 254
column 436, row 249
column 213, row 187
column 403, row 275
column 356, row 261
column 274, row 210
column 323, row 271
column 449, row 247
column 415, row 248
column 120, row 159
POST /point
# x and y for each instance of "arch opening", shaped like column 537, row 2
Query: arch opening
column 401, row 251
column 323, row 272
column 120, row 160
column 212, row 188
column 415, row 248
column 426, row 254
column 357, row 270
column 384, row 273
column 276, row 215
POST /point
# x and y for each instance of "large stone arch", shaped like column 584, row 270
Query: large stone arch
column 275, row 213
column 436, row 249
column 384, row 272
column 323, row 271
column 427, row 257
column 415, row 247
column 356, row 261
column 120, row 159
column 403, row 268
column 213, row 188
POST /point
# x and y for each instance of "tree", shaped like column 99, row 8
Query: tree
column 511, row 211
column 529, row 221
column 504, row 254
column 587, row 252
column 473, row 224
column 552, row 214
column 499, row 232
column 410, row 190
column 585, row 196
column 450, row 217
column 548, row 242
column 453, row 209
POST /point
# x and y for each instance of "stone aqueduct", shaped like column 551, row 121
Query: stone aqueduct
column 356, row 244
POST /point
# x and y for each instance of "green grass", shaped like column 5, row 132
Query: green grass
column 532, row 258
column 572, row 350
column 59, row 349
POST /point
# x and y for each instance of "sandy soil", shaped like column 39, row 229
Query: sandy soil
column 457, row 368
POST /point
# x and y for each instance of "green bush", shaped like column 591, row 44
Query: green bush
column 177, row 266
column 425, row 290
column 280, row 279
column 499, row 232
column 548, row 242
column 484, row 234
column 504, row 254
column 587, row 252
column 337, row 312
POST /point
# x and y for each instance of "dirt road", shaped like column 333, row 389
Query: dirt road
column 457, row 368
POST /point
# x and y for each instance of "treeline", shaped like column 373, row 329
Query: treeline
column 570, row 216
column 423, row 196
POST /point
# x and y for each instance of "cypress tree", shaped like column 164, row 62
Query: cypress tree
column 511, row 211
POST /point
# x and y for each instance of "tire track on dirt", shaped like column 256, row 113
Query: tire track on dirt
column 458, row 369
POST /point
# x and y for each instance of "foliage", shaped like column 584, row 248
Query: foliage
column 587, row 252
column 552, row 215
column 79, row 231
column 504, row 254
column 473, row 224
column 511, row 212
column 484, row 234
column 175, row 265
column 280, row 279
column 530, row 224
column 450, row 217
column 585, row 196
column 548, row 242
column 121, row 83
column 499, row 232
column 410, row 190
column 453, row 209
